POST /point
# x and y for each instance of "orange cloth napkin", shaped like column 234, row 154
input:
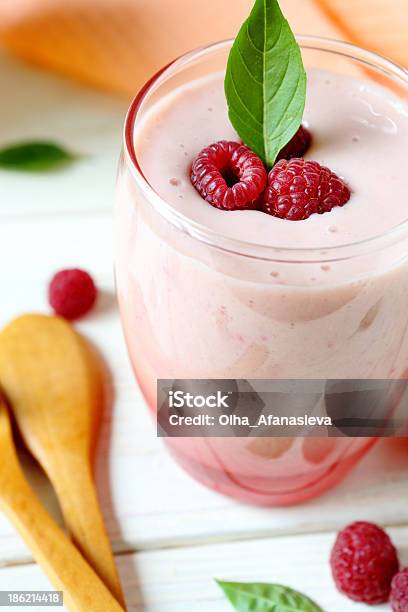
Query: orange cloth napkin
column 118, row 44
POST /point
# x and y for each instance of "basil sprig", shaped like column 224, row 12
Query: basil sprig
column 265, row 82
column 34, row 156
column 263, row 597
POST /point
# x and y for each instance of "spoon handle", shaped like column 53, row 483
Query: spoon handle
column 66, row 568
column 76, row 492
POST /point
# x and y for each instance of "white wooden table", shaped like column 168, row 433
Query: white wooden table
column 172, row 536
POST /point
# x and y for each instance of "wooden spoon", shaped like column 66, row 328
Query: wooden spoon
column 54, row 385
column 62, row 562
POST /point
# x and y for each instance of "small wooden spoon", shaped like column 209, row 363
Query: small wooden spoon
column 62, row 562
column 54, row 385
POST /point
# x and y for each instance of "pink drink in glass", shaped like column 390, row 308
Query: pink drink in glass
column 205, row 293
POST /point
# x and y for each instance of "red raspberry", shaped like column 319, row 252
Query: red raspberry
column 72, row 293
column 399, row 592
column 363, row 563
column 298, row 146
column 298, row 188
column 229, row 176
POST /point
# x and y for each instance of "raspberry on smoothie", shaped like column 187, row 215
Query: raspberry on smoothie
column 229, row 176
column 298, row 188
column 298, row 146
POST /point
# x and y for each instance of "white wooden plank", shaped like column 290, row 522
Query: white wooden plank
column 147, row 500
column 182, row 580
column 37, row 105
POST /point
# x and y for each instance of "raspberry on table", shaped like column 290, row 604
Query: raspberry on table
column 399, row 592
column 364, row 562
column 298, row 188
column 298, row 145
column 229, row 176
column 72, row 293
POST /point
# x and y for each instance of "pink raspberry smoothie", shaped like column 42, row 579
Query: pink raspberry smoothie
column 206, row 293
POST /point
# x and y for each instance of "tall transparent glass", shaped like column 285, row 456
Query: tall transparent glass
column 167, row 266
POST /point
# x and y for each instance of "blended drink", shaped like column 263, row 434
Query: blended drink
column 284, row 287
column 314, row 321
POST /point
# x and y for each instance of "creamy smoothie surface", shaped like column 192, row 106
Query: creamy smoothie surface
column 359, row 130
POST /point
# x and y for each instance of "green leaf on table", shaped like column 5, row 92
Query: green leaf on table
column 34, row 156
column 263, row 597
column 265, row 82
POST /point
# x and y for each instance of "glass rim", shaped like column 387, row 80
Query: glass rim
column 226, row 243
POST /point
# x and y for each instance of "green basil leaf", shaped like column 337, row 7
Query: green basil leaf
column 263, row 597
column 34, row 156
column 265, row 82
